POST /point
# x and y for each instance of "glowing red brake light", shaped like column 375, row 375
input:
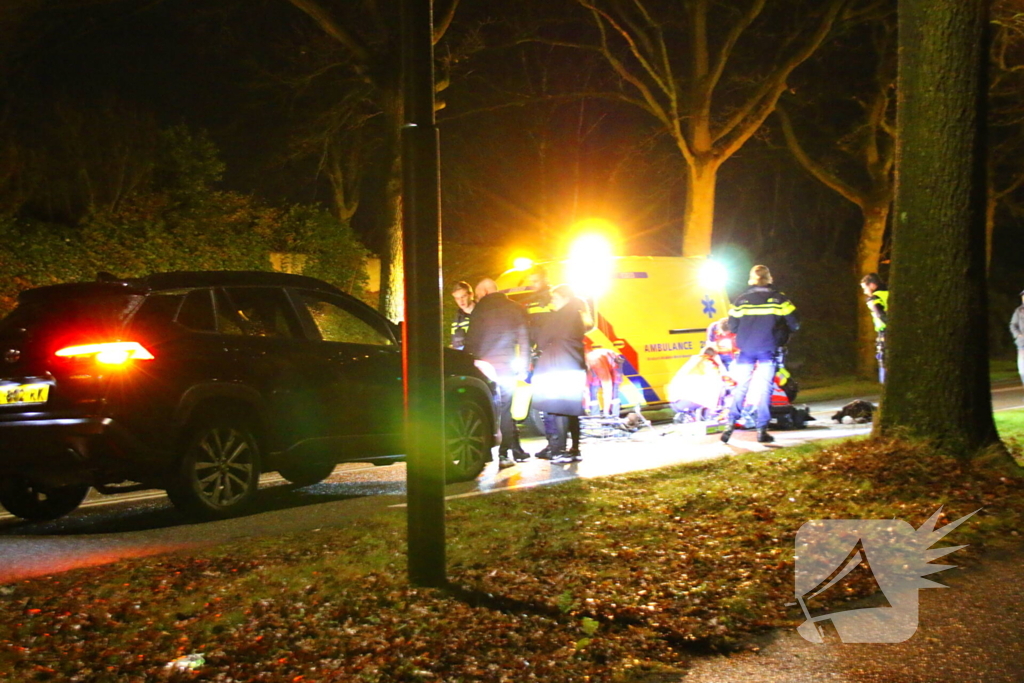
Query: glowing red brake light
column 110, row 353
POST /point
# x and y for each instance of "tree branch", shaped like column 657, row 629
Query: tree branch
column 828, row 179
column 730, row 43
column 350, row 41
column 749, row 117
column 442, row 25
column 630, row 41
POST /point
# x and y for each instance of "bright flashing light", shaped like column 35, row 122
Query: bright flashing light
column 713, row 275
column 591, row 266
column 522, row 263
column 110, row 353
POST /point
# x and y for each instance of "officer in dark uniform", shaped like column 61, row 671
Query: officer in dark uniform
column 762, row 318
column 877, row 294
column 464, row 299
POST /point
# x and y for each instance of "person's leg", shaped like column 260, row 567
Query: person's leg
column 558, row 439
column 1020, row 364
column 764, row 384
column 742, row 371
column 574, row 433
column 505, row 422
column 880, row 355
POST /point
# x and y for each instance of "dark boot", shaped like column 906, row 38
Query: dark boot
column 763, row 436
column 544, row 453
column 727, row 434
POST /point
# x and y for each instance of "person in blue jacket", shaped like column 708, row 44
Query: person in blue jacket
column 763, row 319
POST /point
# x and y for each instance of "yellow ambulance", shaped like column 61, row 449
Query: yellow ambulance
column 653, row 310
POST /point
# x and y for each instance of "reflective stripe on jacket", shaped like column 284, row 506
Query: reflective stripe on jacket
column 762, row 318
column 878, row 304
column 460, row 327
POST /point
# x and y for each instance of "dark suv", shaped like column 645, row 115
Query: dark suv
column 197, row 382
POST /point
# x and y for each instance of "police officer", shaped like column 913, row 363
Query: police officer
column 762, row 318
column 464, row 299
column 877, row 294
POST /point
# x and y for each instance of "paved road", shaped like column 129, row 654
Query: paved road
column 107, row 528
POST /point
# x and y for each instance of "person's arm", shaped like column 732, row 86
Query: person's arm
column 789, row 313
column 471, row 342
column 1015, row 324
column 880, row 312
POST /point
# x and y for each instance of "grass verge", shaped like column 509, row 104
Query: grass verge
column 616, row 579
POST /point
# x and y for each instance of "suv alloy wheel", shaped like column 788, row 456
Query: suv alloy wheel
column 39, row 502
column 466, row 440
column 219, row 472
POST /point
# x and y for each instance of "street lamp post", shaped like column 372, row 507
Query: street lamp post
column 422, row 348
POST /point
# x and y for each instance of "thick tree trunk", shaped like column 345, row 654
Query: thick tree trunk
column 392, row 264
column 699, row 213
column 991, row 202
column 869, row 251
column 937, row 385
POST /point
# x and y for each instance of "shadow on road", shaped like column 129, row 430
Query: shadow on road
column 158, row 513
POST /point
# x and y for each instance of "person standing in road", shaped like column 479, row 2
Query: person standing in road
column 1017, row 330
column 539, row 309
column 560, row 375
column 466, row 301
column 499, row 336
column 877, row 294
column 762, row 318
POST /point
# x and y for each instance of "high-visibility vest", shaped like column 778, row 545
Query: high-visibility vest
column 880, row 297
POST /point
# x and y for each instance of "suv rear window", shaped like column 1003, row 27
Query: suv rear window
column 83, row 315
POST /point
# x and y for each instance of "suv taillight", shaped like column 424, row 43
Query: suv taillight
column 109, row 353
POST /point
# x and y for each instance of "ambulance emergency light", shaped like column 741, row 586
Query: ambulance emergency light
column 713, row 275
column 591, row 266
column 522, row 263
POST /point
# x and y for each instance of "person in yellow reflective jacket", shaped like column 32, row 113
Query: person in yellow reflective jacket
column 763, row 319
column 877, row 294
column 462, row 292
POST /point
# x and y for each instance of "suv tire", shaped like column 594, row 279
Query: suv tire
column 307, row 472
column 39, row 502
column 467, row 440
column 219, row 472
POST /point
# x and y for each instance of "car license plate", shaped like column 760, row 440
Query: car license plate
column 24, row 393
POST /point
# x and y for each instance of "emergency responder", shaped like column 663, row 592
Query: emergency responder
column 762, row 318
column 499, row 336
column 466, row 301
column 723, row 340
column 877, row 294
column 560, row 375
column 1017, row 330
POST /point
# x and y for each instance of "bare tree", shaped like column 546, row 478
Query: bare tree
column 709, row 73
column 938, row 385
column 366, row 35
column 863, row 171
